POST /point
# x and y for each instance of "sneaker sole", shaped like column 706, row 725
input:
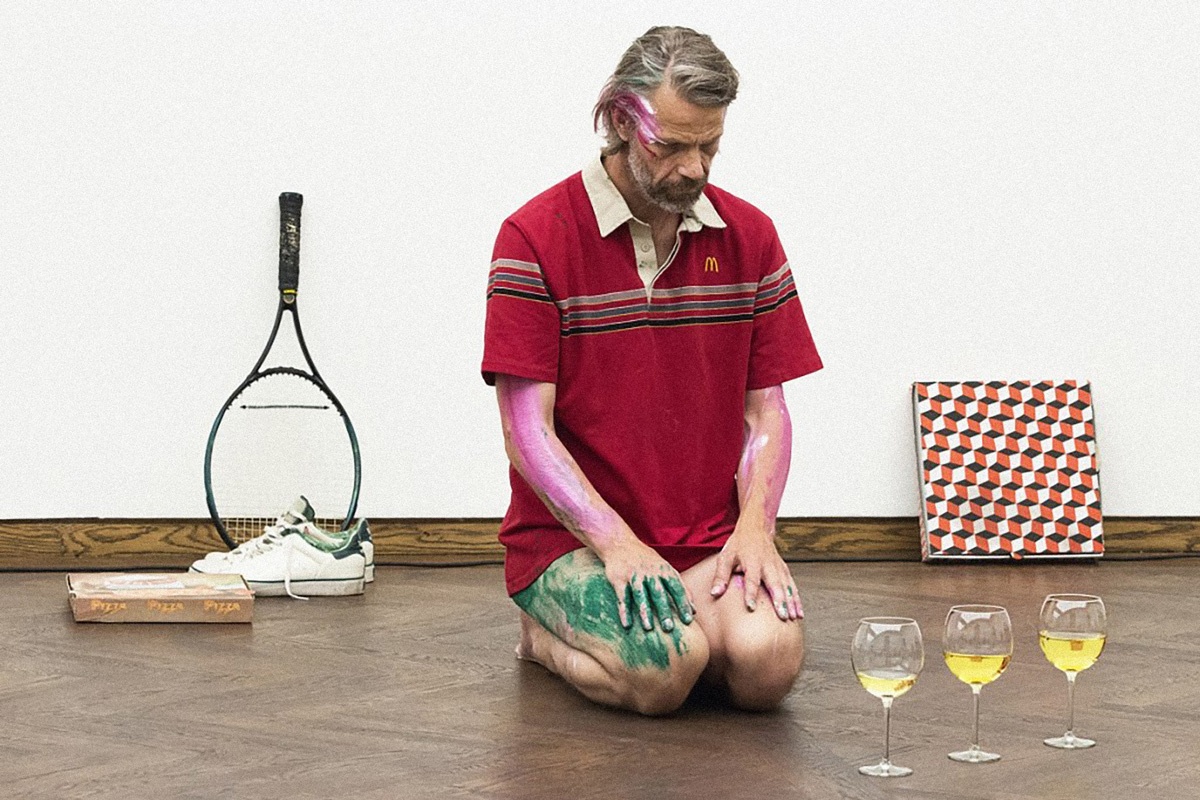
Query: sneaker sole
column 221, row 557
column 321, row 588
column 215, row 559
column 368, row 572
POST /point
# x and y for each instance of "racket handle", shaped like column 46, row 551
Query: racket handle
column 289, row 244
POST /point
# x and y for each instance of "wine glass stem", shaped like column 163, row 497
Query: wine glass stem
column 1070, row 703
column 975, row 701
column 887, row 729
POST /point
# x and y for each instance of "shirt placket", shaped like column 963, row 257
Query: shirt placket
column 647, row 259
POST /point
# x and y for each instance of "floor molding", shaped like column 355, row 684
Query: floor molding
column 93, row 544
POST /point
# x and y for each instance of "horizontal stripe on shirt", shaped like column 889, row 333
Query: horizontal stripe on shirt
column 521, row 279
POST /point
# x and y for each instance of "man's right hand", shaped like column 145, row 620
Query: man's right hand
column 646, row 586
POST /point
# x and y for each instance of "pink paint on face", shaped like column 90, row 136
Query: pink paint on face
column 638, row 109
column 545, row 467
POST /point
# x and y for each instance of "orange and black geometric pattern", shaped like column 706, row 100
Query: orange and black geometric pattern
column 1008, row 470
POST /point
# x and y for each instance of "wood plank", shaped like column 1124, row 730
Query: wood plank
column 63, row 544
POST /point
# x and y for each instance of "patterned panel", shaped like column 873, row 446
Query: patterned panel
column 1007, row 469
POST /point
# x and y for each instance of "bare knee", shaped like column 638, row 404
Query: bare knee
column 762, row 663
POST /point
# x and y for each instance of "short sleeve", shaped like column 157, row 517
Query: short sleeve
column 782, row 347
column 521, row 332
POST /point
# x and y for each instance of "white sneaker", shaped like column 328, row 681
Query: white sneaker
column 285, row 561
column 359, row 536
column 301, row 515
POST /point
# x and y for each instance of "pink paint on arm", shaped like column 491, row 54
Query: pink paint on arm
column 761, row 477
column 766, row 455
column 542, row 460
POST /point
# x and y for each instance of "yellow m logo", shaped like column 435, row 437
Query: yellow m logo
column 711, row 265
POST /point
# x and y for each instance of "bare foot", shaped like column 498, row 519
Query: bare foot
column 525, row 643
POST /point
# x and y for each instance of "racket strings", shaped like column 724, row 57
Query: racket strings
column 281, row 438
column 243, row 529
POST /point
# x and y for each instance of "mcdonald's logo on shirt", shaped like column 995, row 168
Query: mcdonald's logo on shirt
column 711, row 265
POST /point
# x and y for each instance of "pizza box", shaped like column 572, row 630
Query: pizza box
column 159, row 597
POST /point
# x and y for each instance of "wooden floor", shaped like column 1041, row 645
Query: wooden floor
column 412, row 691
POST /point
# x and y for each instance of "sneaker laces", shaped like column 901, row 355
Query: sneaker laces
column 271, row 537
column 287, row 578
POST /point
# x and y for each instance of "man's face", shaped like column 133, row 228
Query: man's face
column 672, row 170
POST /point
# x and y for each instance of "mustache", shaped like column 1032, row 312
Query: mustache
column 686, row 187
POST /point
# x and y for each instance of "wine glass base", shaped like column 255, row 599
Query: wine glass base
column 1070, row 742
column 885, row 769
column 974, row 756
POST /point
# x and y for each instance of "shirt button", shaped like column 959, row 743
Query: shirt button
column 645, row 248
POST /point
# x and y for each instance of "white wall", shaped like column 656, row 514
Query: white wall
column 966, row 191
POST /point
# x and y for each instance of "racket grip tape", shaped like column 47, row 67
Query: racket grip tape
column 289, row 242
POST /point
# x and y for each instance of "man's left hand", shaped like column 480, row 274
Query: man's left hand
column 754, row 555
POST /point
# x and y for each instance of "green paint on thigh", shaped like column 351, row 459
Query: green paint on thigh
column 574, row 599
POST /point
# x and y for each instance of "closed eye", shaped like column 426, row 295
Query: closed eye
column 668, row 149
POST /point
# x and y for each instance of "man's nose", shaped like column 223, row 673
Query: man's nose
column 691, row 164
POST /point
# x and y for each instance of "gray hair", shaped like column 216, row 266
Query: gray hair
column 685, row 60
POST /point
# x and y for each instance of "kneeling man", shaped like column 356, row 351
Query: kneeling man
column 640, row 325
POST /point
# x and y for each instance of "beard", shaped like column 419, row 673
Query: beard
column 678, row 197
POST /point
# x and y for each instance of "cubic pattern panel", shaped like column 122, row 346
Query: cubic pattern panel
column 1007, row 469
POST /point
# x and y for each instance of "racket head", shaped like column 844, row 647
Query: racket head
column 282, row 434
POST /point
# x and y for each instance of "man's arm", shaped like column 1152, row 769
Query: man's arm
column 639, row 575
column 762, row 474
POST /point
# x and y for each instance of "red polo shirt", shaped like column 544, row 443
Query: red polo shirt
column 650, row 385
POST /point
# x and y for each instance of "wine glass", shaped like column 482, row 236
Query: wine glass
column 1072, row 634
column 887, row 655
column 977, row 644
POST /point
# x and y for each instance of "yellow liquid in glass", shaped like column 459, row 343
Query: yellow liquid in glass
column 1071, row 652
column 886, row 682
column 976, row 669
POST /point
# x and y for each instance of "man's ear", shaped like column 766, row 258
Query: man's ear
column 624, row 125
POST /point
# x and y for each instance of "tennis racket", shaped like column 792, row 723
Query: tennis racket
column 282, row 433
